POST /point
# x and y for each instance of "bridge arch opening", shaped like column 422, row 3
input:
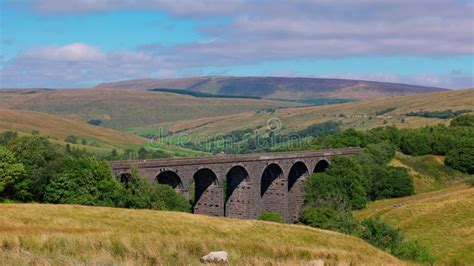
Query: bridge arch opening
column 271, row 172
column 297, row 171
column 321, row 166
column 170, row 178
column 273, row 192
column 237, row 193
column 125, row 179
column 207, row 195
column 296, row 178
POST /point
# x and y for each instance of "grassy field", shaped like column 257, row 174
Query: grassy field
column 67, row 234
column 442, row 220
column 429, row 172
column 128, row 108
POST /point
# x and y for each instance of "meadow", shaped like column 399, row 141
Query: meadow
column 44, row 234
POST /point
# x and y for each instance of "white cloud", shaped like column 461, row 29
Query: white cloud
column 452, row 80
column 78, row 64
column 70, row 52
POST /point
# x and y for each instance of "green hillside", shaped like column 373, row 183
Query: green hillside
column 442, row 220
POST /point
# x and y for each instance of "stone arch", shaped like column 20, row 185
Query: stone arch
column 296, row 177
column 237, row 193
column 207, row 193
column 273, row 193
column 321, row 166
column 125, row 178
column 170, row 178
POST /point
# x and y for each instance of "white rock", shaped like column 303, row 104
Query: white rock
column 316, row 263
column 215, row 256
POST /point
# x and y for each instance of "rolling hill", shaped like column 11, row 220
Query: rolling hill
column 44, row 234
column 278, row 87
column 128, row 108
column 442, row 220
column 58, row 128
column 360, row 114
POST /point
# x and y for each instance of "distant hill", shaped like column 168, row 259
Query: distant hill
column 44, row 234
column 278, row 87
column 122, row 109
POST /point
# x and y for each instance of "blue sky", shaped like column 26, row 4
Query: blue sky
column 65, row 43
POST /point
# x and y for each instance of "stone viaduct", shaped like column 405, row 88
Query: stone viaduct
column 238, row 186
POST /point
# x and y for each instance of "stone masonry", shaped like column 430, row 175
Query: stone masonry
column 237, row 186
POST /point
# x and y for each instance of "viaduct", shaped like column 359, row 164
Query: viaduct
column 238, row 186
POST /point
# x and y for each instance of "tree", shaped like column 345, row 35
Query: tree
column 142, row 153
column 415, row 142
column 380, row 153
column 13, row 182
column 345, row 177
column 84, row 181
column 40, row 158
column 390, row 182
column 461, row 157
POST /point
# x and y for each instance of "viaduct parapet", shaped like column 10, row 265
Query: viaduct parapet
column 237, row 186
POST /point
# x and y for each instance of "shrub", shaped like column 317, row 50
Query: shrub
column 330, row 219
column 95, row 122
column 470, row 180
column 463, row 120
column 271, row 216
column 414, row 251
column 7, row 136
column 381, row 234
column 71, row 139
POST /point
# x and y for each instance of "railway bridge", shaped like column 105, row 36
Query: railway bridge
column 237, row 186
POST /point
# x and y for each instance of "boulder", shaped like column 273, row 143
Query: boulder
column 316, row 263
column 215, row 257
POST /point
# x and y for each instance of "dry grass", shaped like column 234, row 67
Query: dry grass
column 56, row 127
column 67, row 234
column 442, row 220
